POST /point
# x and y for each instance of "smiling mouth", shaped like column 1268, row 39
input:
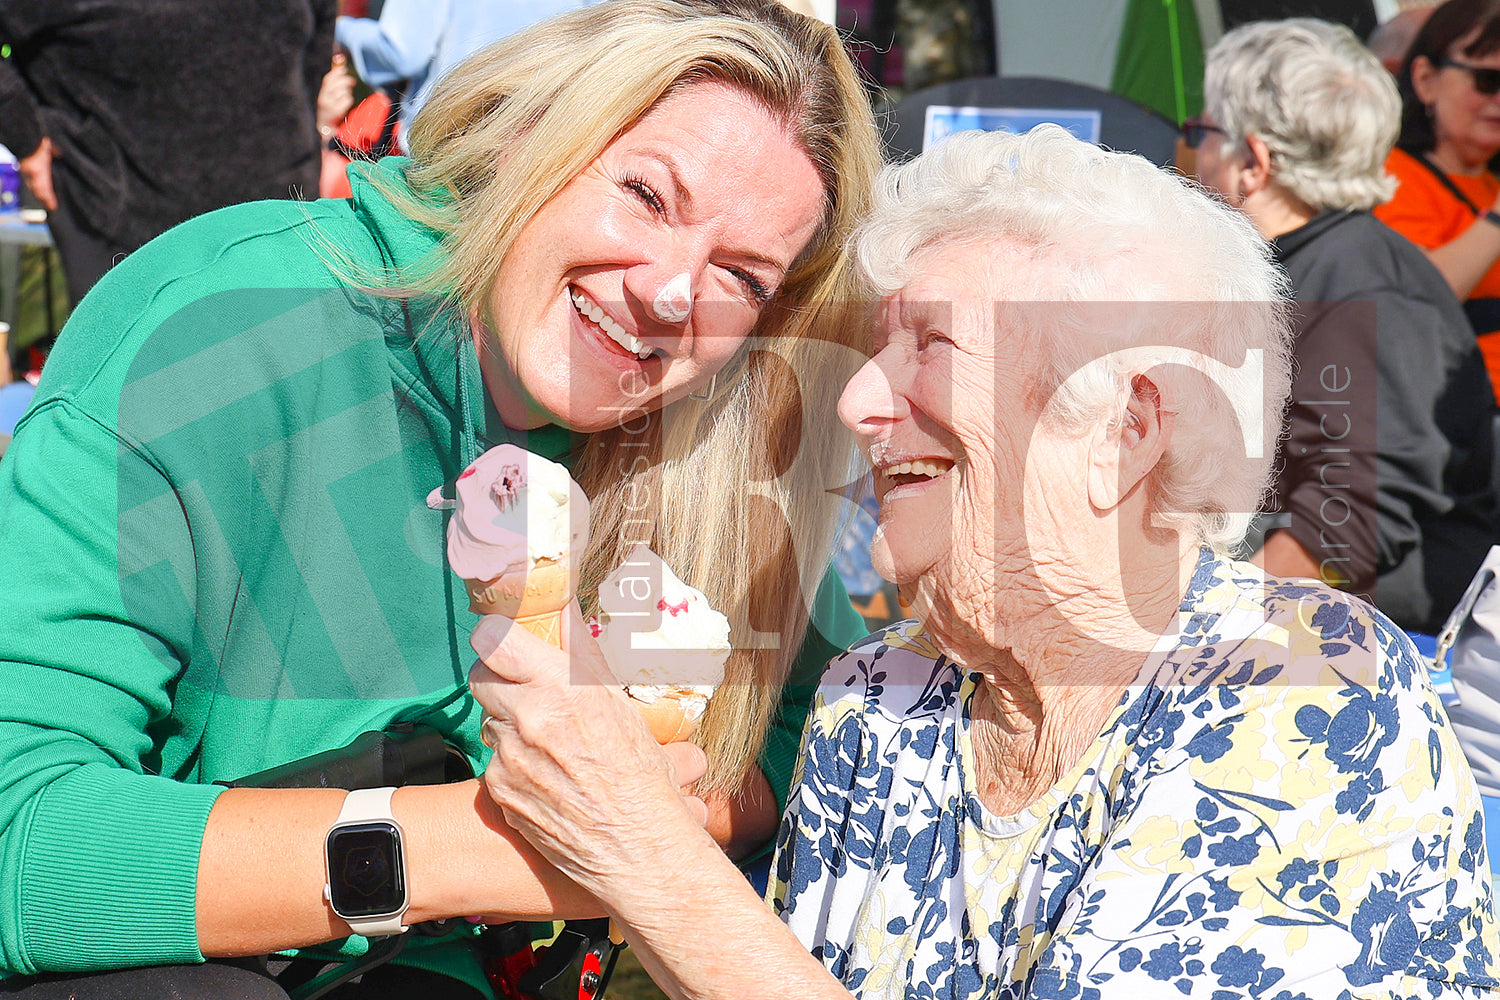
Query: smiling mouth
column 607, row 325
column 920, row 471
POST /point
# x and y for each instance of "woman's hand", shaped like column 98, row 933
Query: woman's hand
column 335, row 97
column 36, row 170
column 575, row 769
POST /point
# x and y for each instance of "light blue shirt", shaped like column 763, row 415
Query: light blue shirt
column 420, row 40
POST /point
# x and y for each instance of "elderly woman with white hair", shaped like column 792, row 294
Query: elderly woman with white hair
column 1106, row 760
column 1383, row 483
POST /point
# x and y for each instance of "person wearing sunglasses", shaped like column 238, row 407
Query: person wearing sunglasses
column 1383, row 477
column 1444, row 160
column 1195, row 130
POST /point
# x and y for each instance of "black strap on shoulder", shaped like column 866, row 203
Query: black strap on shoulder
column 1447, row 182
column 397, row 95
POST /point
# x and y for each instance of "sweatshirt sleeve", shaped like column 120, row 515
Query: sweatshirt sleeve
column 98, row 854
column 1412, row 449
column 1363, row 426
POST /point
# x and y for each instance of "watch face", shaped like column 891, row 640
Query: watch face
column 365, row 877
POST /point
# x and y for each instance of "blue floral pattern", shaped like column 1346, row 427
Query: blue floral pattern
column 1278, row 809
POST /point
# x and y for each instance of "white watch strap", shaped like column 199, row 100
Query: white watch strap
column 364, row 805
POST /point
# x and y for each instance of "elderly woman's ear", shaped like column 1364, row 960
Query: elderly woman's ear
column 1125, row 449
column 1249, row 164
column 1256, row 168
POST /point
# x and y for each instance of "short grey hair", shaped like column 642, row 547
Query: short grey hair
column 1106, row 233
column 1320, row 100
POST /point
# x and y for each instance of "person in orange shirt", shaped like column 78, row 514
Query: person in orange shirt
column 1450, row 132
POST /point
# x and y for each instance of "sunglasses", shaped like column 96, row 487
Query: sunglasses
column 1195, row 130
column 1486, row 81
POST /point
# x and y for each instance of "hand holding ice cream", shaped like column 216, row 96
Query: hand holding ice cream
column 517, row 536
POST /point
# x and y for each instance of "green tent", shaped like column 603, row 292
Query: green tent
column 1159, row 62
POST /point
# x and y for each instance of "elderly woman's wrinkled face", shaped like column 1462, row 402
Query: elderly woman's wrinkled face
column 972, row 494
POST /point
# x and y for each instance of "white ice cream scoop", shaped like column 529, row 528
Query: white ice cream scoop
column 675, row 300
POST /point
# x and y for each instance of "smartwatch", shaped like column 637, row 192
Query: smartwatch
column 366, row 860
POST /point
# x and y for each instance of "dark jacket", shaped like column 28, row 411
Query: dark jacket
column 1385, row 467
column 164, row 109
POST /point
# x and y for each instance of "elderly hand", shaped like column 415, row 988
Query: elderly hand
column 575, row 769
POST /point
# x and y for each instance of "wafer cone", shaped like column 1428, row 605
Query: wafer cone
column 670, row 718
column 535, row 601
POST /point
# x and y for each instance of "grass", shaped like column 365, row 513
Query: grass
column 41, row 279
column 630, row 981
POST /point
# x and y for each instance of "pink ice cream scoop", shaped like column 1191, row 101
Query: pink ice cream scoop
column 515, row 509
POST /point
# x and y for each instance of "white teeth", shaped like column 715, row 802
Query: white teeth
column 921, row 467
column 613, row 330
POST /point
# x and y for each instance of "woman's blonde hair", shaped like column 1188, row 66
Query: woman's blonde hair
column 733, row 493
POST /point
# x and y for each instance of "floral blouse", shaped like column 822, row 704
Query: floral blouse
column 1277, row 809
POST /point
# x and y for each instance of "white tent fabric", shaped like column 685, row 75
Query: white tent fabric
column 1029, row 42
column 1030, row 39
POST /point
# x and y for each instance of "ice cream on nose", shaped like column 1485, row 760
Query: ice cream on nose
column 675, row 300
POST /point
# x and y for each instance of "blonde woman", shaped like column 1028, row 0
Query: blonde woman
column 217, row 554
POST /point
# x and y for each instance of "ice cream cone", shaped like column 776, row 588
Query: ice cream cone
column 535, row 601
column 519, row 527
column 663, row 641
column 671, row 718
column 546, row 627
